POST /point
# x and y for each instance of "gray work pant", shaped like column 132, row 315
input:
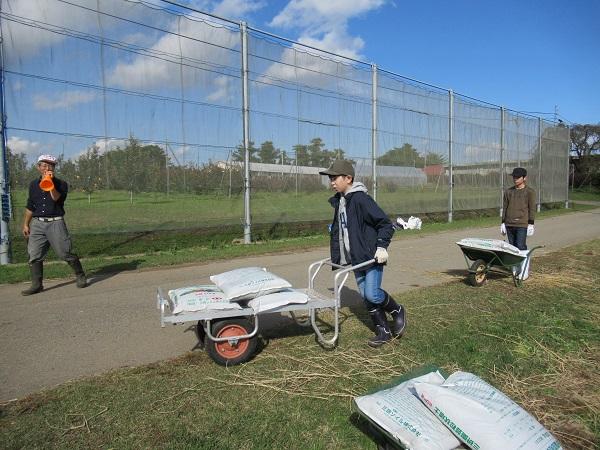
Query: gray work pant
column 43, row 235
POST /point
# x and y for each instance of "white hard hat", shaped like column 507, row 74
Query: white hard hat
column 47, row 159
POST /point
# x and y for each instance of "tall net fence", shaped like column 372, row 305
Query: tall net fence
column 145, row 104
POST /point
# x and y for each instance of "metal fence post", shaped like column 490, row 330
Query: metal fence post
column 539, row 202
column 501, row 161
column 569, row 165
column 374, row 129
column 246, row 132
column 4, row 170
column 450, row 175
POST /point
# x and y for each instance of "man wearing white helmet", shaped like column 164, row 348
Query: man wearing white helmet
column 44, row 225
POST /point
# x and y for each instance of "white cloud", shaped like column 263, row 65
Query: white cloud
column 147, row 72
column 62, row 100
column 222, row 89
column 106, row 145
column 18, row 145
column 322, row 16
column 323, row 25
column 236, row 9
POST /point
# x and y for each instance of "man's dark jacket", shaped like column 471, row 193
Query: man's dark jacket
column 368, row 227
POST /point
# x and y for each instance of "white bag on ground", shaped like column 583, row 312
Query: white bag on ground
column 398, row 411
column 483, row 417
column 199, row 298
column 490, row 244
column 248, row 282
column 413, row 223
column 271, row 301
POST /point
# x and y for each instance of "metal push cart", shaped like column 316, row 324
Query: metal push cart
column 231, row 336
column 481, row 261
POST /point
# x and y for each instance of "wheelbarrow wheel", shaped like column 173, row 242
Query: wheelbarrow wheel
column 477, row 273
column 233, row 351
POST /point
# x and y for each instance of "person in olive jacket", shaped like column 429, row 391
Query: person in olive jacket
column 518, row 213
column 44, row 226
column 360, row 232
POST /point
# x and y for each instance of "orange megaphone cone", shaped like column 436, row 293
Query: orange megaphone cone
column 46, row 184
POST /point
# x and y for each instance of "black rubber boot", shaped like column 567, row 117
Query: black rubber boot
column 381, row 327
column 37, row 274
column 79, row 273
column 398, row 314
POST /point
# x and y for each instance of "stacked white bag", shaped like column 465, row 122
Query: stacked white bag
column 423, row 414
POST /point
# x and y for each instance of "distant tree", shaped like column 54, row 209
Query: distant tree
column 18, row 171
column 302, row 156
column 88, row 176
column 268, row 154
column 585, row 146
column 432, row 159
column 239, row 153
column 406, row 156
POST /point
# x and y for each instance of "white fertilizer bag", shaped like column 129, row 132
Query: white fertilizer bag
column 269, row 302
column 400, row 413
column 199, row 298
column 483, row 417
column 490, row 244
column 248, row 282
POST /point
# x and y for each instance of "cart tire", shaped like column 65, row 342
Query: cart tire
column 477, row 273
column 230, row 353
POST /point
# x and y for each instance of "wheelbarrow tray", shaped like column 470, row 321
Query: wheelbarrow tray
column 493, row 258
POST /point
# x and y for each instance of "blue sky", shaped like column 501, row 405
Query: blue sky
column 526, row 55
column 529, row 56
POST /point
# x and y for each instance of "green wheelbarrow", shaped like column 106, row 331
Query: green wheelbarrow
column 493, row 255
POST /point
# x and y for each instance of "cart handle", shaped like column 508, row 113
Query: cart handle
column 337, row 287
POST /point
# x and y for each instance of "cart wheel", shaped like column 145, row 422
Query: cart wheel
column 477, row 273
column 234, row 351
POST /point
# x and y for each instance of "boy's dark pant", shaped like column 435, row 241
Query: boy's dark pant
column 517, row 236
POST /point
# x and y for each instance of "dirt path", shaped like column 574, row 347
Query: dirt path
column 66, row 333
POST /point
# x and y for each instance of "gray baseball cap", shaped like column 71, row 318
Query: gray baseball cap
column 339, row 167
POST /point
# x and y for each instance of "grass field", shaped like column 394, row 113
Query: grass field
column 539, row 344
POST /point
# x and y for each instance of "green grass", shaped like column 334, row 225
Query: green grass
column 539, row 344
column 585, row 194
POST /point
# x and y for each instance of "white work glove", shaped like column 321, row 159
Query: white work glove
column 381, row 255
column 502, row 229
column 530, row 230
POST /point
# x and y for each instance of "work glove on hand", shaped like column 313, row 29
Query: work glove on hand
column 381, row 255
column 530, row 230
column 502, row 229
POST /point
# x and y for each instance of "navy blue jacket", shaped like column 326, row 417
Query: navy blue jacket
column 368, row 227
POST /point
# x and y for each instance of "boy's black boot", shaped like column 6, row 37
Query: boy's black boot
column 79, row 273
column 398, row 314
column 37, row 274
column 381, row 327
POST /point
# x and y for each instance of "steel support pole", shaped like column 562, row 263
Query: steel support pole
column 246, row 132
column 539, row 202
column 4, row 172
column 501, row 161
column 450, row 138
column 568, row 129
column 374, row 129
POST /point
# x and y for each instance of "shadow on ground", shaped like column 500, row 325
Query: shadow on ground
column 105, row 272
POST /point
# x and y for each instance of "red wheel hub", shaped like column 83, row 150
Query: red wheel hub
column 233, row 348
